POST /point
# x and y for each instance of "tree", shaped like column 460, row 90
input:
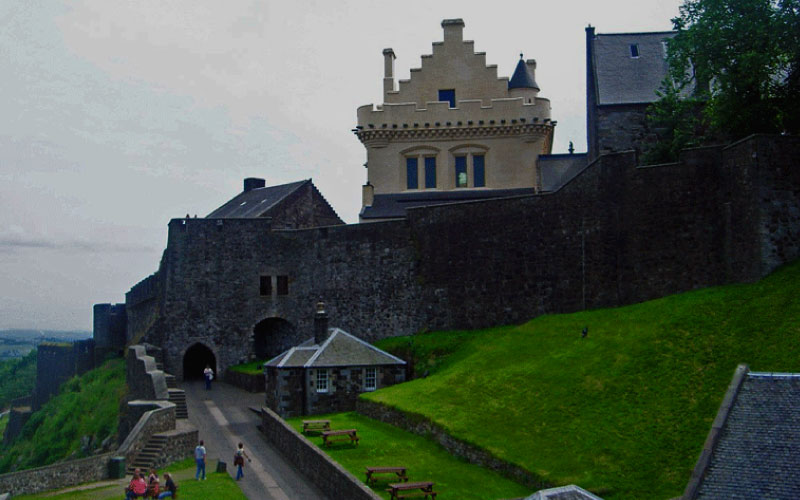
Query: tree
column 740, row 58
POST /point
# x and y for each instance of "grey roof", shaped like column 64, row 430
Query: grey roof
column 339, row 349
column 570, row 492
column 522, row 78
column 557, row 170
column 394, row 205
column 623, row 79
column 756, row 453
column 256, row 202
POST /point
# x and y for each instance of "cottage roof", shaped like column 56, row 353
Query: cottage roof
column 753, row 449
column 339, row 349
column 629, row 67
column 256, row 202
column 394, row 205
column 522, row 78
column 570, row 492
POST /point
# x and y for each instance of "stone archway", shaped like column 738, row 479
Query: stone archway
column 195, row 359
column 272, row 336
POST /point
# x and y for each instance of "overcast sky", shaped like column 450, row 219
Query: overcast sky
column 117, row 116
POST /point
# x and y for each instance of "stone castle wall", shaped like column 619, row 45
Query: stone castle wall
column 616, row 234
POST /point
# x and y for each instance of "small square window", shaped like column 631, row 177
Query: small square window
column 448, row 95
column 370, row 379
column 265, row 286
column 634, row 50
column 283, row 285
column 322, row 380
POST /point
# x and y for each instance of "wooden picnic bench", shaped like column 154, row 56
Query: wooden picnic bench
column 316, row 425
column 400, row 471
column 329, row 437
column 408, row 490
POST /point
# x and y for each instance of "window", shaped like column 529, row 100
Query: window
column 411, row 173
column 461, row 171
column 283, row 285
column 478, row 171
column 322, row 380
column 634, row 50
column 370, row 379
column 265, row 286
column 448, row 95
column 430, row 172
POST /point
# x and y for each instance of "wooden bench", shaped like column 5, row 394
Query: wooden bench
column 400, row 471
column 329, row 437
column 408, row 490
column 316, row 425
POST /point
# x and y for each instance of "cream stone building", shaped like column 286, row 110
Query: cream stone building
column 454, row 131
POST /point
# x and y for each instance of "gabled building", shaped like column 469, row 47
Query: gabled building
column 326, row 373
column 454, row 126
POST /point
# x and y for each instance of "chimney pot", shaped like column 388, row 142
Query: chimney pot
column 320, row 324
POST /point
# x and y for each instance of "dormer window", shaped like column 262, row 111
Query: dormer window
column 634, row 50
column 448, row 95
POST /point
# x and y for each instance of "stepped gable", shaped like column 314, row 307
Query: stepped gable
column 753, row 448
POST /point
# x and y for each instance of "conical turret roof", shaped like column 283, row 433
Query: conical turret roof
column 522, row 78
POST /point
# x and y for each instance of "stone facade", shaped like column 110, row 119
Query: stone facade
column 58, row 362
column 109, row 328
column 615, row 234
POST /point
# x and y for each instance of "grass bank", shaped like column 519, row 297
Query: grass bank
column 384, row 445
column 623, row 412
column 17, row 378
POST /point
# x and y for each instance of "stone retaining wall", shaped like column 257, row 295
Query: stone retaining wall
column 316, row 465
column 59, row 475
column 246, row 381
column 159, row 420
column 471, row 453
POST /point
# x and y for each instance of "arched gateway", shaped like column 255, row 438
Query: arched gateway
column 272, row 336
column 195, row 360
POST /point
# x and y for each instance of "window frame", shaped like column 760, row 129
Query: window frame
column 428, row 161
column 461, row 169
column 409, row 169
column 374, row 386
column 472, row 169
column 323, row 381
column 450, row 94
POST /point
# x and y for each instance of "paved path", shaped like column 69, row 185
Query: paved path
column 223, row 418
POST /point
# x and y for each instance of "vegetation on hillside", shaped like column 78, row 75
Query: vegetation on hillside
column 623, row 412
column 17, row 378
column 75, row 423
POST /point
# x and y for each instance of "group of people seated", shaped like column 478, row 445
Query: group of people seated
column 139, row 488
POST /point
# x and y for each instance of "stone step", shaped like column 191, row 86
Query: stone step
column 178, row 396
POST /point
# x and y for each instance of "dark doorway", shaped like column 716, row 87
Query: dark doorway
column 272, row 336
column 195, row 361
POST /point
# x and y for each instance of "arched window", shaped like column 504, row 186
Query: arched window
column 469, row 162
column 420, row 167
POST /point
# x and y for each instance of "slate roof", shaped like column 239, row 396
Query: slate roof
column 557, row 170
column 256, row 202
column 522, row 78
column 339, row 349
column 756, row 451
column 623, row 79
column 394, row 205
column 570, row 492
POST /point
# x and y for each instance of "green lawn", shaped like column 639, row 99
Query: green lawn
column 623, row 412
column 217, row 486
column 252, row 368
column 384, row 445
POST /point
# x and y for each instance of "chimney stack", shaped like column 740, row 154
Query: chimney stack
column 251, row 183
column 388, row 70
column 453, row 30
column 320, row 324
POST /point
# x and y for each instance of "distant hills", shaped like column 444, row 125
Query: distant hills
column 15, row 343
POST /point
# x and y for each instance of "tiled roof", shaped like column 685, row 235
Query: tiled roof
column 570, row 492
column 522, row 78
column 622, row 78
column 557, row 170
column 394, row 205
column 756, row 453
column 255, row 202
column 339, row 349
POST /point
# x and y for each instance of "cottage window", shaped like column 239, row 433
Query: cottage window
column 265, row 286
column 322, row 380
column 370, row 379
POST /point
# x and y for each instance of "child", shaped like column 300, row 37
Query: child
column 238, row 460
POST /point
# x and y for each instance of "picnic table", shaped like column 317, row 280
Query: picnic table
column 400, row 471
column 329, row 437
column 408, row 490
column 316, row 425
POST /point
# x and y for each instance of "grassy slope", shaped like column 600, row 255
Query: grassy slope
column 384, row 445
column 17, row 377
column 85, row 406
column 623, row 412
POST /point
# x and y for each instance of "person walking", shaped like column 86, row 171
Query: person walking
column 208, row 375
column 200, row 458
column 170, row 488
column 238, row 460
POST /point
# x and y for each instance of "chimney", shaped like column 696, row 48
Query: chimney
column 320, row 324
column 367, row 194
column 388, row 70
column 251, row 183
column 453, row 30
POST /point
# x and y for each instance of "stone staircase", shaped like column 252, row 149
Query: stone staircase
column 178, row 396
column 149, row 455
